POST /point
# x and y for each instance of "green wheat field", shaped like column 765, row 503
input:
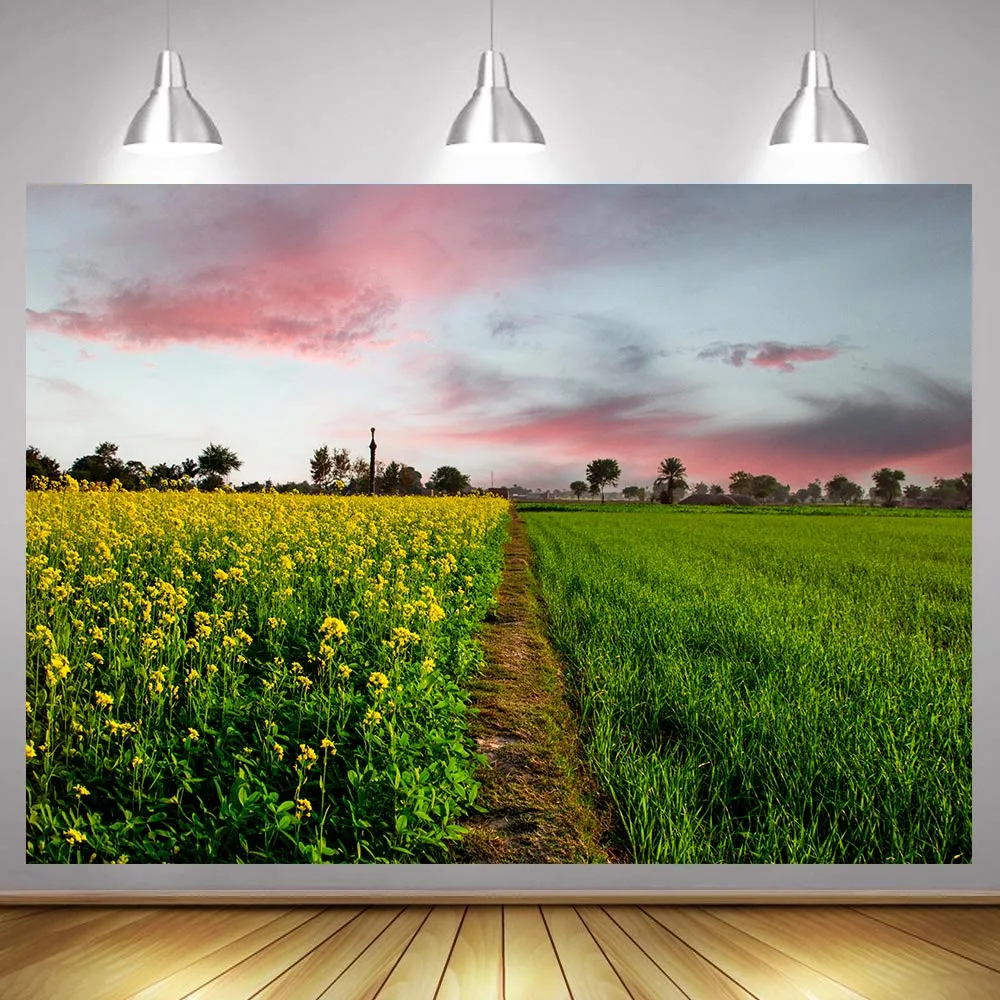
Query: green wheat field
column 767, row 686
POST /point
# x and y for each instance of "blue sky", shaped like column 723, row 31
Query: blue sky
column 521, row 331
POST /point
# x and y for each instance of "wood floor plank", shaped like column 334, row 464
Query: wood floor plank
column 587, row 970
column 54, row 958
column 871, row 958
column 694, row 974
column 364, row 977
column 972, row 931
column 9, row 914
column 531, row 969
column 165, row 949
column 25, row 933
column 199, row 969
column 254, row 973
column 475, row 968
column 314, row 973
column 419, row 971
column 757, row 967
column 643, row 978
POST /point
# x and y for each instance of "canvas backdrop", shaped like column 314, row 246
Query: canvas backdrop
column 361, row 91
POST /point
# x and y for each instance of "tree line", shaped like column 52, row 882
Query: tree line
column 331, row 470
column 887, row 487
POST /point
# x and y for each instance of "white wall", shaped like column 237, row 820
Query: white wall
column 670, row 91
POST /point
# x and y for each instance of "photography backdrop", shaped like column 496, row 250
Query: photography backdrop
column 321, row 92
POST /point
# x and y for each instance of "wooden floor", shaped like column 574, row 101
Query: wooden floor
column 513, row 952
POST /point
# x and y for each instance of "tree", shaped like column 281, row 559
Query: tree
column 965, row 479
column 164, row 472
column 952, row 493
column 716, row 490
column 215, row 464
column 740, row 482
column 321, row 467
column 134, row 475
column 603, row 472
column 670, row 478
column 765, row 488
column 632, row 492
column 189, row 467
column 358, row 473
column 341, row 458
column 40, row 465
column 447, row 479
column 700, row 489
column 388, row 481
column 912, row 491
column 103, row 466
column 814, row 490
column 578, row 487
column 834, row 487
column 409, row 481
column 888, row 485
column 840, row 488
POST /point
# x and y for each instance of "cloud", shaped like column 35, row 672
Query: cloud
column 309, row 312
column 461, row 383
column 923, row 425
column 62, row 386
column 768, row 354
column 631, row 426
column 507, row 326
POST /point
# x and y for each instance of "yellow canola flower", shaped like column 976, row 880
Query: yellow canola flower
column 307, row 755
column 333, row 627
column 73, row 836
column 81, row 790
column 378, row 680
column 103, row 700
column 193, row 735
column 29, row 750
column 329, row 745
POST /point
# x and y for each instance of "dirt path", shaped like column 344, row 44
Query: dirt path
column 542, row 806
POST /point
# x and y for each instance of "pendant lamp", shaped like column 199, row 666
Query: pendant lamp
column 493, row 114
column 171, row 122
column 817, row 118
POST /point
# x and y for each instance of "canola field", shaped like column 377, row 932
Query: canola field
column 252, row 678
column 767, row 686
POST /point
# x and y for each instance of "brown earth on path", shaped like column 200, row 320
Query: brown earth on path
column 542, row 806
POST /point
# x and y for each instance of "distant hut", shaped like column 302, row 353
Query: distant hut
column 718, row 500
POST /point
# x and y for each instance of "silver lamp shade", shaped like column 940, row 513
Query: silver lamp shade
column 171, row 122
column 817, row 114
column 493, row 113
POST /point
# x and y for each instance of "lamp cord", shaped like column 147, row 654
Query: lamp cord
column 491, row 25
column 814, row 24
column 166, row 4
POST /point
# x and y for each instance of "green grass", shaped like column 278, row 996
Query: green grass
column 770, row 689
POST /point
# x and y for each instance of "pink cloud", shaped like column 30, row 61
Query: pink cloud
column 629, row 427
column 314, row 271
column 768, row 354
column 285, row 308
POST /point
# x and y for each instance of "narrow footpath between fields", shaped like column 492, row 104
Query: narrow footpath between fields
column 542, row 805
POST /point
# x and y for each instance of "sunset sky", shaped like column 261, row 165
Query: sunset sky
column 799, row 331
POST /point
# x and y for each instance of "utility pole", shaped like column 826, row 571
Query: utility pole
column 371, row 466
